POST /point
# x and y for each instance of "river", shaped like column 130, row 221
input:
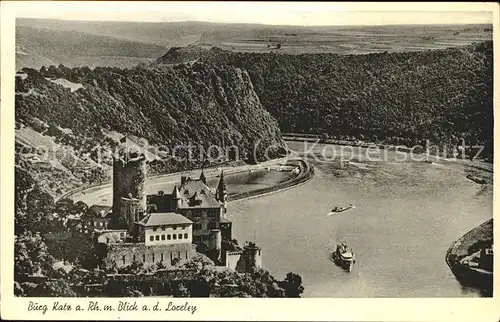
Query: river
column 407, row 214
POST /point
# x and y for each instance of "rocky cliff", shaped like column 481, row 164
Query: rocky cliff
column 84, row 112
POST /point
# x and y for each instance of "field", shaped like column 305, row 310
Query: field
column 361, row 40
column 128, row 44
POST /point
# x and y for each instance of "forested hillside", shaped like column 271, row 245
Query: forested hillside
column 402, row 98
column 79, row 110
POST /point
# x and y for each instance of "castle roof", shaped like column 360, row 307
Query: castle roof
column 163, row 219
column 196, row 194
column 175, row 193
column 225, row 220
column 100, row 211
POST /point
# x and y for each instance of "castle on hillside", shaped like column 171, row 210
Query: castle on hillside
column 165, row 228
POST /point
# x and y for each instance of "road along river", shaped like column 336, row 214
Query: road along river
column 407, row 215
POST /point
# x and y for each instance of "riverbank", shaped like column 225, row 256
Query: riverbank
column 466, row 245
column 476, row 163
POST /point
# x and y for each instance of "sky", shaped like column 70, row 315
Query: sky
column 273, row 13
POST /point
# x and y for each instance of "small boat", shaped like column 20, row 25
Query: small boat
column 344, row 257
column 340, row 209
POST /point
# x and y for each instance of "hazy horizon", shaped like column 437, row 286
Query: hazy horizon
column 255, row 23
column 263, row 13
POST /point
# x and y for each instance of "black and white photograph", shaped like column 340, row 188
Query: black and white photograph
column 251, row 150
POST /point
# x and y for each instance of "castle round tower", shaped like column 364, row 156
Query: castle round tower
column 252, row 256
column 215, row 242
column 129, row 211
column 129, row 180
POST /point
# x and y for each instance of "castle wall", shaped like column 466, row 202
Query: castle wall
column 124, row 254
column 232, row 259
column 244, row 260
column 204, row 220
column 112, row 236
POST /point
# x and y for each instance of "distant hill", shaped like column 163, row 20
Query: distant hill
column 38, row 47
column 126, row 44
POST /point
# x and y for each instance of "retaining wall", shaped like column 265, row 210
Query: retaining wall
column 467, row 276
column 306, row 173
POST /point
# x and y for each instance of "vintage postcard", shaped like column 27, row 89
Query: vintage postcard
column 248, row 161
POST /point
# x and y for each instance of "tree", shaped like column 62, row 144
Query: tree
column 292, row 285
column 64, row 207
column 53, row 288
column 32, row 204
column 79, row 208
column 130, row 292
column 31, row 256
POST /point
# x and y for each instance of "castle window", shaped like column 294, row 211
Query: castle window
column 133, row 258
column 123, row 259
column 151, row 238
column 162, row 237
column 157, row 237
column 153, row 257
column 186, row 254
column 161, row 257
column 175, row 236
column 169, row 237
column 143, row 257
column 211, row 225
column 180, row 236
column 185, row 236
column 154, row 228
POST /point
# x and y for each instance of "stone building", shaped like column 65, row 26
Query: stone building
column 158, row 238
column 98, row 217
column 196, row 201
column 164, row 229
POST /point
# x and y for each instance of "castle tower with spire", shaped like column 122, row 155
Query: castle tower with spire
column 202, row 177
column 176, row 197
column 221, row 193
